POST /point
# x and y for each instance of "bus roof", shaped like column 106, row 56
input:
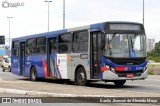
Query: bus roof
column 52, row 33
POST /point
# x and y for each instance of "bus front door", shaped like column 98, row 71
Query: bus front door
column 51, row 57
column 22, row 58
column 95, row 55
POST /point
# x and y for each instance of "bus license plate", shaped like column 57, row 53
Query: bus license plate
column 130, row 75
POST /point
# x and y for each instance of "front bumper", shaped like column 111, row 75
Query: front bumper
column 108, row 75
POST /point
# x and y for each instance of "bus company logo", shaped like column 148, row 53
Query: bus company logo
column 6, row 100
column 7, row 4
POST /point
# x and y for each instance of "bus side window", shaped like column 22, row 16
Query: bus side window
column 80, row 41
column 53, row 46
column 64, row 43
column 41, row 45
column 15, row 48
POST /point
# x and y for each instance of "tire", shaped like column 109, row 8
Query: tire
column 81, row 78
column 120, row 82
column 9, row 69
column 33, row 74
column 3, row 69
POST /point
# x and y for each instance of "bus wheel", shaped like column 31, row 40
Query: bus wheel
column 120, row 82
column 9, row 69
column 33, row 74
column 3, row 69
column 81, row 78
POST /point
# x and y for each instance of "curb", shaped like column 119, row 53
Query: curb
column 44, row 94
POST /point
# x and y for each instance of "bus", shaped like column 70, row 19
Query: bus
column 107, row 51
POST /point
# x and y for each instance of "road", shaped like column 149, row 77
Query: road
column 140, row 88
column 150, row 85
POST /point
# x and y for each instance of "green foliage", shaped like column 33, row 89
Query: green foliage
column 155, row 53
column 150, row 72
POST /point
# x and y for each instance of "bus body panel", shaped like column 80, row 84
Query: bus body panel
column 15, row 66
column 38, row 61
column 79, row 59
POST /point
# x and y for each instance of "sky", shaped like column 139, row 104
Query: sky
column 32, row 16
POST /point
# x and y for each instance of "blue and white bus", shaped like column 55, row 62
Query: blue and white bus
column 108, row 51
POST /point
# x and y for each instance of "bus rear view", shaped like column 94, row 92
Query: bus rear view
column 124, row 52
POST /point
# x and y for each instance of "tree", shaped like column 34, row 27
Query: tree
column 155, row 53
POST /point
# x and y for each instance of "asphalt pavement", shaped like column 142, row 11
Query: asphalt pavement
column 148, row 87
column 11, row 84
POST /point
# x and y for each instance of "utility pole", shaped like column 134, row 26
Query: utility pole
column 143, row 12
column 9, row 30
column 48, row 13
column 63, row 14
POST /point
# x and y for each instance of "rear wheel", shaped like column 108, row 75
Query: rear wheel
column 81, row 78
column 9, row 69
column 33, row 74
column 3, row 69
column 120, row 82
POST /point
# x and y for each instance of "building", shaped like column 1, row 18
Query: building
column 150, row 44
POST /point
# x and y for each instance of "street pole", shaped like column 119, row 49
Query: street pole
column 48, row 13
column 143, row 12
column 9, row 30
column 63, row 14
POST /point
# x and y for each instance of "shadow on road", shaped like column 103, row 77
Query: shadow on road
column 92, row 84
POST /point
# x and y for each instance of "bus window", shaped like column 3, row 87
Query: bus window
column 41, row 45
column 15, row 48
column 15, row 52
column 53, row 45
column 80, row 41
column 31, row 43
column 64, row 41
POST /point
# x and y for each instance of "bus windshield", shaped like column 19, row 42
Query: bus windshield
column 125, row 45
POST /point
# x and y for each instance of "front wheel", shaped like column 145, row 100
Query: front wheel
column 120, row 82
column 33, row 74
column 81, row 78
